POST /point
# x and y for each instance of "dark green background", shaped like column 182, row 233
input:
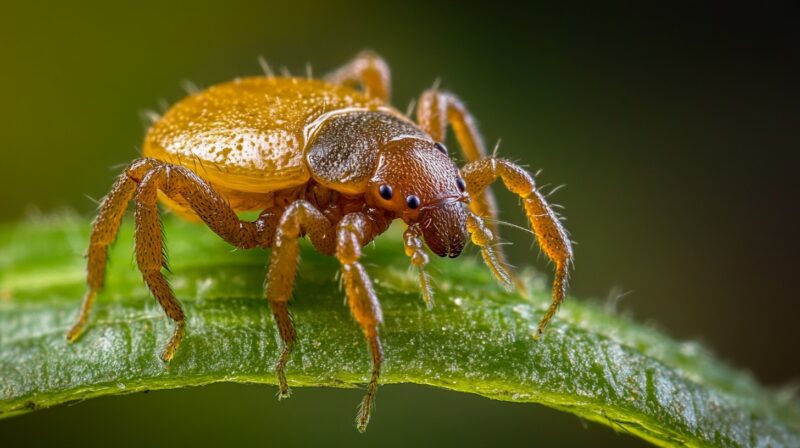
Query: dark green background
column 673, row 129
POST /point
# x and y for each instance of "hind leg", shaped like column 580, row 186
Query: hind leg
column 150, row 255
column 104, row 232
column 144, row 178
column 369, row 70
column 209, row 206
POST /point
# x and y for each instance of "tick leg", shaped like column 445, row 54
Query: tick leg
column 104, row 232
column 353, row 232
column 435, row 110
column 484, row 238
column 299, row 218
column 214, row 210
column 177, row 181
column 550, row 234
column 174, row 181
column 412, row 241
column 370, row 71
column 150, row 255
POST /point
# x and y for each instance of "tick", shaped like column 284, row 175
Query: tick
column 328, row 159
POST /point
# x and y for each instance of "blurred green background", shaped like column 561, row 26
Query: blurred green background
column 672, row 129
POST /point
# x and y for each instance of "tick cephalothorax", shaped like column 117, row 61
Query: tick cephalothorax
column 321, row 159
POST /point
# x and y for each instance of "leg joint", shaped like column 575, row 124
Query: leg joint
column 137, row 170
column 291, row 223
column 516, row 179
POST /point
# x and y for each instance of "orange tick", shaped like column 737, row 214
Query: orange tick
column 327, row 160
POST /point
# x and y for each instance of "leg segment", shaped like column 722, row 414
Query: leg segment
column 299, row 218
column 353, row 232
column 412, row 239
column 483, row 237
column 104, row 232
column 550, row 234
column 369, row 70
column 210, row 207
column 144, row 178
column 434, row 111
column 150, row 255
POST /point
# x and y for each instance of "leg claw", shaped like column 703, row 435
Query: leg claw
column 174, row 342
column 75, row 332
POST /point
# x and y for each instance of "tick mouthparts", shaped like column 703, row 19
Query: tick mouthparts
column 454, row 253
column 444, row 229
column 441, row 203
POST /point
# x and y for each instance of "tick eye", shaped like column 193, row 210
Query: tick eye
column 440, row 147
column 462, row 186
column 412, row 202
column 385, row 191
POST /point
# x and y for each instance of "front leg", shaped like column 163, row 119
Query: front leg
column 412, row 241
column 550, row 234
column 435, row 110
column 353, row 232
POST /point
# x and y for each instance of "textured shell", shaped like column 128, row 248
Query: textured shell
column 346, row 148
column 249, row 135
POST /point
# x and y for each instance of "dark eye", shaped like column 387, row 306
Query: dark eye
column 385, row 191
column 440, row 147
column 412, row 202
column 462, row 186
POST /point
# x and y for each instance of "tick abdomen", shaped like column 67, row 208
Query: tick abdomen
column 248, row 135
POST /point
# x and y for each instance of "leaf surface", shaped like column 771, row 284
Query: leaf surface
column 478, row 338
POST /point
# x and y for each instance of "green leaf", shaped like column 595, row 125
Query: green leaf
column 478, row 338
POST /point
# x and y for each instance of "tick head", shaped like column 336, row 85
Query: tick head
column 417, row 181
